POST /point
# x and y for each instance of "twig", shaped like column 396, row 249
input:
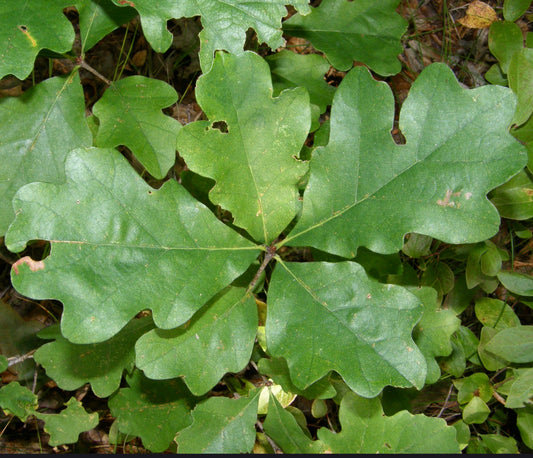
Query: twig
column 446, row 401
column 270, row 253
column 18, row 359
column 274, row 446
column 87, row 67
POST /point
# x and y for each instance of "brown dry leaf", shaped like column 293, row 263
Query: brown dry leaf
column 139, row 58
column 479, row 15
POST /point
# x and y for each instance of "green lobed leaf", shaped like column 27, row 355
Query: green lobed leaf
column 98, row 18
column 130, row 114
column 255, row 162
column 435, row 185
column 225, row 22
column 115, row 241
column 18, row 400
column 331, row 316
column 284, row 430
column 65, row 426
column 365, row 429
column 101, row 364
column 27, row 28
column 521, row 82
column 513, row 344
column 152, row 410
column 362, row 30
column 221, row 425
column 222, row 332
column 37, row 130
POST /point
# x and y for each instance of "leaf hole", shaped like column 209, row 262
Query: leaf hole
column 220, row 125
column 23, row 28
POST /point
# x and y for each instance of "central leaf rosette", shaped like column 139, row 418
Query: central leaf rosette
column 119, row 246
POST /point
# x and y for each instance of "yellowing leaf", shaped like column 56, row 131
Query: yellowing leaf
column 479, row 15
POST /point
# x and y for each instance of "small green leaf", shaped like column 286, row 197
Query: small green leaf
column 152, row 410
column 521, row 393
column 18, row 400
column 28, row 27
column 517, row 282
column 477, row 384
column 101, row 364
column 513, row 344
column 98, row 18
column 440, row 277
column 417, row 245
column 222, row 332
column 284, row 430
column 130, row 114
column 495, row 313
column 37, row 130
column 364, row 30
column 116, row 240
column 463, row 433
column 433, row 332
column 521, row 82
column 514, row 199
column 4, row 363
column 524, row 422
column 490, row 361
column 277, row 369
column 365, row 429
column 362, row 330
column 221, row 425
column 498, row 444
column 476, row 411
column 253, row 156
column 505, row 39
column 66, row 426
column 513, row 9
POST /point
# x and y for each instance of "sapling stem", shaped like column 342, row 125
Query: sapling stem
column 87, row 67
column 269, row 254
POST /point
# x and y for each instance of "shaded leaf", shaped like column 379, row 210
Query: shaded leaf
column 514, row 199
column 254, row 156
column 65, row 426
column 353, row 325
column 505, row 39
column 495, row 313
column 101, row 364
column 434, row 185
column 513, row 344
column 152, row 410
column 366, row 430
column 282, row 427
column 130, row 114
column 225, row 22
column 119, row 247
column 28, row 27
column 517, row 282
column 18, row 400
column 521, row 392
column 364, row 30
column 222, row 332
column 513, row 9
column 37, row 130
column 221, row 425
column 98, row 18
column 521, row 82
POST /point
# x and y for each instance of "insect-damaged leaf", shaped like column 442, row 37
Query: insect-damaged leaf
column 119, row 246
column 223, row 332
column 225, row 22
column 37, row 130
column 255, row 162
column 331, row 316
column 365, row 190
column 130, row 114
column 27, row 27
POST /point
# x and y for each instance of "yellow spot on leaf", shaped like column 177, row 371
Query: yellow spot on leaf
column 24, row 30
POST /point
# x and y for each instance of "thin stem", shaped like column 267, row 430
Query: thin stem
column 270, row 253
column 446, row 401
column 87, row 67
